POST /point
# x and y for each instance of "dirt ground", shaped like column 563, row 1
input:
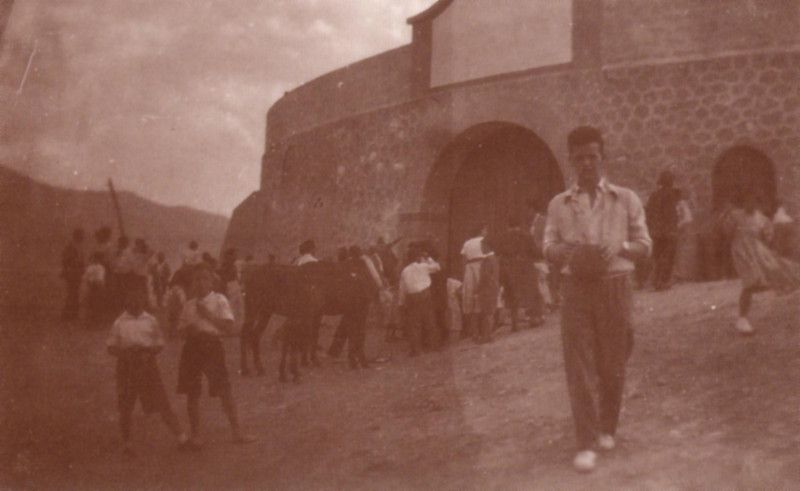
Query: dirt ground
column 705, row 408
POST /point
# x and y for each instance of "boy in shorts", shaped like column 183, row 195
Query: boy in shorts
column 205, row 318
column 135, row 340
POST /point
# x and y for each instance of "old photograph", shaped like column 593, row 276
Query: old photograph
column 399, row 244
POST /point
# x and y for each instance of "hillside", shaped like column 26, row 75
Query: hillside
column 36, row 221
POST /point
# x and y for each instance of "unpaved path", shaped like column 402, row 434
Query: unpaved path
column 704, row 409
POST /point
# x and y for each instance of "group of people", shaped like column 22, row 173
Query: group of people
column 590, row 241
column 136, row 338
column 124, row 288
column 96, row 289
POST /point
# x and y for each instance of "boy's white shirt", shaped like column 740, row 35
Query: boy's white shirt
column 135, row 332
column 216, row 303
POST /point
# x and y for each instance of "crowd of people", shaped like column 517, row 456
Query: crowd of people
column 582, row 255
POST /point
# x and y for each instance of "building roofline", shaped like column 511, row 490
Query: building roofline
column 432, row 11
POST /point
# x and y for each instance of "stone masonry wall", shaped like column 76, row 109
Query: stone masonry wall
column 381, row 80
column 348, row 181
column 637, row 30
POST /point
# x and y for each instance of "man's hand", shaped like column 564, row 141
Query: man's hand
column 560, row 253
column 610, row 251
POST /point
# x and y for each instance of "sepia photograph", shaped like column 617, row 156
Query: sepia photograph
column 399, row 244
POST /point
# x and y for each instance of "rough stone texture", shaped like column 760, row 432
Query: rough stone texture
column 377, row 81
column 635, row 30
column 348, row 162
column 346, row 182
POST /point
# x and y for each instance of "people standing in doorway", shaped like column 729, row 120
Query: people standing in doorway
column 488, row 292
column 472, row 255
column 517, row 253
column 597, row 230
column 759, row 267
column 662, row 222
column 72, row 265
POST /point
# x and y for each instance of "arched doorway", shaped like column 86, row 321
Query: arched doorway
column 741, row 171
column 488, row 174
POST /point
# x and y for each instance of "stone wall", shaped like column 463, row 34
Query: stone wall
column 348, row 181
column 365, row 85
column 648, row 30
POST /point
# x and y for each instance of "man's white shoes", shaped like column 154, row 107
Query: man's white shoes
column 585, row 461
column 606, row 442
column 743, row 326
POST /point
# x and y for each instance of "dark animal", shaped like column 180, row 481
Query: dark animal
column 303, row 294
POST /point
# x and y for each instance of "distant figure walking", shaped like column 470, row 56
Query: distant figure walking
column 72, row 265
column 662, row 222
column 759, row 267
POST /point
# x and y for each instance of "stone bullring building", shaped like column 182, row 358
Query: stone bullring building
column 467, row 124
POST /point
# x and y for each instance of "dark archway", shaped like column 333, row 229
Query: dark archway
column 741, row 171
column 488, row 174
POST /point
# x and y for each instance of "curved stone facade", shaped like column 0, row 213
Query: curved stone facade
column 347, row 177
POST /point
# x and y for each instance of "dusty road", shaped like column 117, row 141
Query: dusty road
column 704, row 409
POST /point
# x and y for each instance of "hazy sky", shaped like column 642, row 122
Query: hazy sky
column 169, row 97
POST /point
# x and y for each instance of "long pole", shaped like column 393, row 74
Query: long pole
column 116, row 207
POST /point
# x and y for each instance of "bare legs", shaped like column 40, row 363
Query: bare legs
column 228, row 406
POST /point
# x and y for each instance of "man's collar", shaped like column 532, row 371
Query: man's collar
column 603, row 186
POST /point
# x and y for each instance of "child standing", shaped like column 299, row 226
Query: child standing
column 205, row 318
column 135, row 340
column 488, row 291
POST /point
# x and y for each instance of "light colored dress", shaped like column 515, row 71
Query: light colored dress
column 471, row 252
column 757, row 265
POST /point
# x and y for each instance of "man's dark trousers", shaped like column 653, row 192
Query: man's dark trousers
column 664, row 249
column 597, row 340
column 419, row 319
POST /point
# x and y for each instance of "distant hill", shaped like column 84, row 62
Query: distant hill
column 36, row 221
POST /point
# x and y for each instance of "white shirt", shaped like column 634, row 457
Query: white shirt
column 472, row 249
column 305, row 258
column 416, row 277
column 135, row 332
column 95, row 274
column 216, row 303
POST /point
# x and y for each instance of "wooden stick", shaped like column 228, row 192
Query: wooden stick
column 116, row 207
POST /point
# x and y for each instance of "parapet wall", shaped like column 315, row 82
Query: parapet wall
column 378, row 81
column 348, row 181
column 641, row 31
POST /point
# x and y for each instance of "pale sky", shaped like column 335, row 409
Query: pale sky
column 169, row 97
